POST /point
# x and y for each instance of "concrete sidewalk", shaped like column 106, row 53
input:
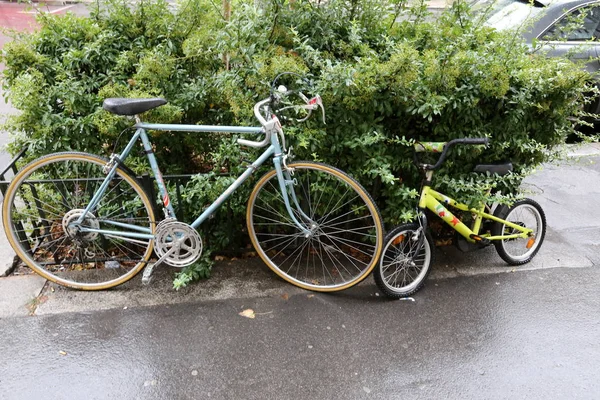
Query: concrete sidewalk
column 568, row 193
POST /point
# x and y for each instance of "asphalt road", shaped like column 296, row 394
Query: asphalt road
column 527, row 335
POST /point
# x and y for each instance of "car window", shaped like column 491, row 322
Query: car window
column 579, row 25
column 503, row 14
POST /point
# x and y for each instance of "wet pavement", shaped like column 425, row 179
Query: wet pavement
column 527, row 335
column 528, row 332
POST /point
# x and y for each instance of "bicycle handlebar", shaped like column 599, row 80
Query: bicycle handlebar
column 311, row 104
column 257, row 113
column 263, row 122
column 448, row 146
column 483, row 141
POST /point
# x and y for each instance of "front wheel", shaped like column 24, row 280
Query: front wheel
column 526, row 213
column 345, row 234
column 43, row 205
column 404, row 265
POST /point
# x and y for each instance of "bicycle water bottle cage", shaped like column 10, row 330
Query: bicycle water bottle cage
column 124, row 106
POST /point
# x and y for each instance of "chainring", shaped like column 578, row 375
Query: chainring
column 180, row 243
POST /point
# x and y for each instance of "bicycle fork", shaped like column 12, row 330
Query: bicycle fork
column 284, row 176
column 420, row 233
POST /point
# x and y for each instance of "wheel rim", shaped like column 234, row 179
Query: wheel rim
column 401, row 271
column 523, row 215
column 50, row 195
column 345, row 239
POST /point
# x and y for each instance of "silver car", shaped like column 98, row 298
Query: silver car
column 569, row 28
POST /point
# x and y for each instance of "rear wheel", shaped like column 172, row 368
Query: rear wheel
column 346, row 233
column 40, row 213
column 404, row 267
column 526, row 213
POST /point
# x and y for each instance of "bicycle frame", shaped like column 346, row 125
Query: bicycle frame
column 432, row 200
column 273, row 150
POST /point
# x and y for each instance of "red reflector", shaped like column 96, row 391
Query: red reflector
column 398, row 240
column 530, row 242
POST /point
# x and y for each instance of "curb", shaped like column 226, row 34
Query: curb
column 583, row 150
column 19, row 295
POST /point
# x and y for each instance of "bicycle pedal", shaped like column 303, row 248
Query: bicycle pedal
column 147, row 275
column 480, row 239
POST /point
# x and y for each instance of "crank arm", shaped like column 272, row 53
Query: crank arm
column 147, row 275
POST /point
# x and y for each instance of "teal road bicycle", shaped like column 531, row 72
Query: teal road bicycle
column 85, row 222
column 517, row 231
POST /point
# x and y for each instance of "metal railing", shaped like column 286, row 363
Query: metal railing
column 11, row 167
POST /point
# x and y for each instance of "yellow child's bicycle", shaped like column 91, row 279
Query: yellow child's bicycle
column 517, row 232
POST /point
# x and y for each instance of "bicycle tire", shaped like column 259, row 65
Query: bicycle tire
column 398, row 273
column 525, row 212
column 347, row 239
column 49, row 193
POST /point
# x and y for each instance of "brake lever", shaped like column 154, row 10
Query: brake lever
column 317, row 102
column 311, row 105
column 303, row 97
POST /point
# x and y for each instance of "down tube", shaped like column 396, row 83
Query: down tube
column 236, row 184
column 442, row 212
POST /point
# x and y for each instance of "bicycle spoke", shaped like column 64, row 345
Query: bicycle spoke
column 405, row 262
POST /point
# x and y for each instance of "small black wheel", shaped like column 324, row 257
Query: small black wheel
column 403, row 268
column 526, row 213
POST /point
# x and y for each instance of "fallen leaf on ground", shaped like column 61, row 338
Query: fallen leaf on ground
column 249, row 313
column 285, row 296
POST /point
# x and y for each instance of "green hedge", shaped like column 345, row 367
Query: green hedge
column 384, row 83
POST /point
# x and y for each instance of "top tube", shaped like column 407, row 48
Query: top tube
column 199, row 128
